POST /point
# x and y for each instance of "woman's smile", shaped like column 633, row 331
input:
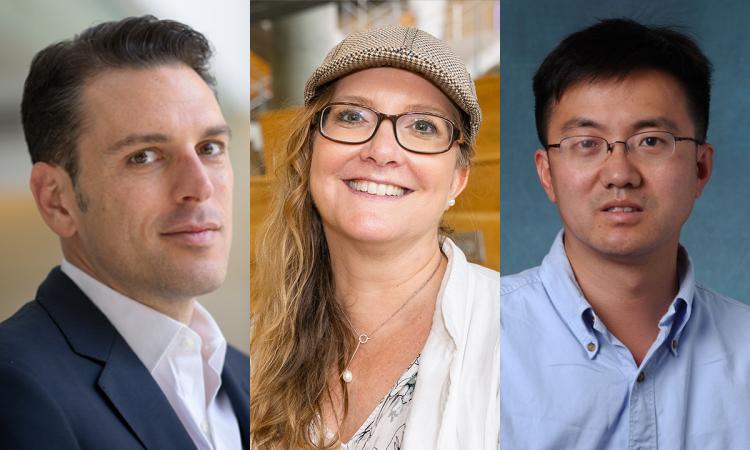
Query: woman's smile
column 377, row 189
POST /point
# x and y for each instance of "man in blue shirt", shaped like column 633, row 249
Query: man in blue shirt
column 610, row 343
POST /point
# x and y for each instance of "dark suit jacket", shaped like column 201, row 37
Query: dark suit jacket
column 68, row 380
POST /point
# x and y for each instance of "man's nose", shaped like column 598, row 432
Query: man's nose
column 618, row 169
column 192, row 179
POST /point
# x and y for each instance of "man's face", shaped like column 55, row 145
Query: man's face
column 624, row 208
column 156, row 180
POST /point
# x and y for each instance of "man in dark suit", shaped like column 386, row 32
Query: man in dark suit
column 131, row 171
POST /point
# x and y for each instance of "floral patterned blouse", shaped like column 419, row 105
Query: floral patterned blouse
column 384, row 429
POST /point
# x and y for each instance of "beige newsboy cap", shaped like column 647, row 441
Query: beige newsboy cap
column 404, row 48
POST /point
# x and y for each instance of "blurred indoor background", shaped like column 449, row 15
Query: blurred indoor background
column 28, row 249
column 289, row 39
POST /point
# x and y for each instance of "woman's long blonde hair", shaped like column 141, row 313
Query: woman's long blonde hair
column 299, row 330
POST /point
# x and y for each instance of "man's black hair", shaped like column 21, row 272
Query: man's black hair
column 615, row 48
column 51, row 106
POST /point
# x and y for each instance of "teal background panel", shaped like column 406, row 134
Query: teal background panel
column 717, row 235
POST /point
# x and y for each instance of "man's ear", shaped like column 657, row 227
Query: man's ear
column 541, row 161
column 55, row 197
column 705, row 166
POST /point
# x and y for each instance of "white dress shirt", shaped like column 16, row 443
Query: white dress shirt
column 456, row 403
column 185, row 360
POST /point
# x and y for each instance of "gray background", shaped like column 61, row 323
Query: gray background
column 28, row 249
column 716, row 234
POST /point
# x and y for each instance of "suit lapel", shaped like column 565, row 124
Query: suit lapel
column 140, row 401
column 124, row 379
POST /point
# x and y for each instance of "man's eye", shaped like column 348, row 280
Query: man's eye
column 651, row 141
column 211, row 149
column 143, row 157
column 587, row 143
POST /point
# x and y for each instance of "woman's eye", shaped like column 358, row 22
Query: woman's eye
column 211, row 149
column 351, row 116
column 143, row 157
column 424, row 127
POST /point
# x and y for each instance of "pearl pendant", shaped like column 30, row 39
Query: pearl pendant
column 347, row 376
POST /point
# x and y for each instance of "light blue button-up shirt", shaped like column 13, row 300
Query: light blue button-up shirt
column 568, row 383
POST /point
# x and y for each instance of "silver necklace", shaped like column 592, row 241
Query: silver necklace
column 363, row 338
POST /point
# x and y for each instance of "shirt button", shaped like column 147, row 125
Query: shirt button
column 674, row 344
column 641, row 377
column 591, row 346
column 204, row 427
column 188, row 343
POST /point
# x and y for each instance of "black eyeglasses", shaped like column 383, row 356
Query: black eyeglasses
column 645, row 146
column 418, row 132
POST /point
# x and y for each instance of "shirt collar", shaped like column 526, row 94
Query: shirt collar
column 452, row 286
column 674, row 321
column 559, row 281
column 148, row 332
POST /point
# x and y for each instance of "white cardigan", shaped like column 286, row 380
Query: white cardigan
column 456, row 398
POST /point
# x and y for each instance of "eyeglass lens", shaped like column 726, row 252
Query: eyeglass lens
column 648, row 145
column 419, row 132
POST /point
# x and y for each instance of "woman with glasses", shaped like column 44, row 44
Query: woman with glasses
column 371, row 330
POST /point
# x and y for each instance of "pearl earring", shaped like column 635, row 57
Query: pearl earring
column 451, row 202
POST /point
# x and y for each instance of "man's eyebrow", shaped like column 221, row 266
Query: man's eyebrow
column 217, row 130
column 160, row 138
column 651, row 122
column 656, row 122
column 136, row 138
column 581, row 122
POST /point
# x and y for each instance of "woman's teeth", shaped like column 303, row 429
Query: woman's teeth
column 376, row 188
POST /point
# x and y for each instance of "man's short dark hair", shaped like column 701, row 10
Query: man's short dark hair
column 615, row 48
column 51, row 106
